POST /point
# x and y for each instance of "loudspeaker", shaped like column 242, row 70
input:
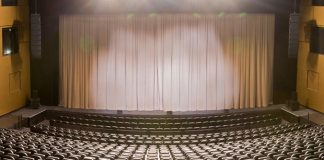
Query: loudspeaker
column 293, row 35
column 318, row 3
column 317, row 39
column 119, row 112
column 35, row 36
column 169, row 113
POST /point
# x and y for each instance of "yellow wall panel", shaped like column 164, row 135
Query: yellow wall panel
column 302, row 55
column 24, row 22
column 1, row 58
column 304, row 34
column 8, row 15
column 15, row 69
column 310, row 74
column 306, row 9
column 319, row 15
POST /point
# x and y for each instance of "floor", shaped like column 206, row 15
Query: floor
column 309, row 114
column 10, row 121
column 13, row 120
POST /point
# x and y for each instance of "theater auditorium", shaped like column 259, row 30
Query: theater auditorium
column 161, row 80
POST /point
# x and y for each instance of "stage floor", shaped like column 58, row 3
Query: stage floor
column 27, row 112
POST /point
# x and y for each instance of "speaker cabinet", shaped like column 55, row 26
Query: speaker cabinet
column 10, row 42
column 318, row 2
column 293, row 35
column 317, row 40
column 35, row 36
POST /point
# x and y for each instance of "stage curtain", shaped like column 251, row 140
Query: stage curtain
column 176, row 62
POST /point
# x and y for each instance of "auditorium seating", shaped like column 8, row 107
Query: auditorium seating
column 165, row 125
column 305, row 143
column 236, row 136
column 167, row 139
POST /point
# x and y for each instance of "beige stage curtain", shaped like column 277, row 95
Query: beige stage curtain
column 177, row 62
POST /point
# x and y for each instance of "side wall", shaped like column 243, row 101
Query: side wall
column 310, row 80
column 14, row 69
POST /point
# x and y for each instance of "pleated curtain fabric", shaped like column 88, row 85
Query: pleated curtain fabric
column 170, row 62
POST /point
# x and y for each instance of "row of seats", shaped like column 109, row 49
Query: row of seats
column 306, row 143
column 168, row 139
column 170, row 118
column 165, row 128
column 166, row 124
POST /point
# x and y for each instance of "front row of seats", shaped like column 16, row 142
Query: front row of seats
column 165, row 127
column 214, row 137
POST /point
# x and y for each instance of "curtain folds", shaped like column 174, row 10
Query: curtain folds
column 177, row 62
